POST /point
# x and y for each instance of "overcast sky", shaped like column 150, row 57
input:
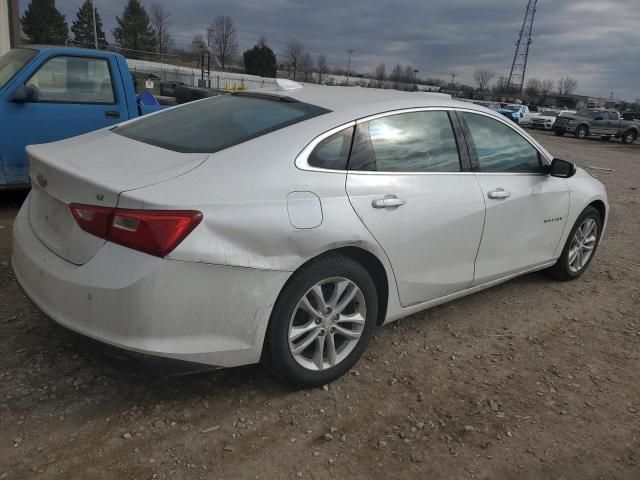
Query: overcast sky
column 596, row 41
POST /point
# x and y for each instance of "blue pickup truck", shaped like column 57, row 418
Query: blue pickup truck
column 50, row 93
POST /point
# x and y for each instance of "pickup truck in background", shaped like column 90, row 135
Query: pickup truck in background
column 50, row 93
column 598, row 122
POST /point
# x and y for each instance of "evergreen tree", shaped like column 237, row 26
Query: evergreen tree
column 260, row 60
column 82, row 27
column 134, row 30
column 43, row 23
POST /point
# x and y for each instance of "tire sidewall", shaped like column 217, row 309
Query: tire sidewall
column 280, row 358
column 589, row 212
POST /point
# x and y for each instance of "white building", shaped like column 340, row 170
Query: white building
column 9, row 25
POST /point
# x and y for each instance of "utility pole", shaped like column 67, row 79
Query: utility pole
column 350, row 52
column 453, row 80
column 95, row 27
column 415, row 79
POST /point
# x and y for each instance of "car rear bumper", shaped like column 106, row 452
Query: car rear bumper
column 209, row 314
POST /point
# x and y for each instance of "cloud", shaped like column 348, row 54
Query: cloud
column 595, row 41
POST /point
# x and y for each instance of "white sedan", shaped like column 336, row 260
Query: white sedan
column 287, row 225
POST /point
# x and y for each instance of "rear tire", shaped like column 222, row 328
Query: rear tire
column 569, row 266
column 582, row 132
column 629, row 137
column 309, row 303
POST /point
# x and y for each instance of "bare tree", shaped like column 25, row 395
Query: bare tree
column 322, row 68
column 408, row 77
column 160, row 24
column 567, row 85
column 306, row 65
column 501, row 85
column 396, row 76
column 292, row 55
column 262, row 41
column 483, row 77
column 222, row 39
column 380, row 75
column 532, row 88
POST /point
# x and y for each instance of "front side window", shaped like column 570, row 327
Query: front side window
column 613, row 115
column 407, row 142
column 211, row 125
column 12, row 62
column 66, row 79
column 332, row 152
column 500, row 148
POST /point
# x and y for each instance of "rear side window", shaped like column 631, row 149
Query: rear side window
column 74, row 80
column 613, row 115
column 333, row 152
column 211, row 125
column 407, row 142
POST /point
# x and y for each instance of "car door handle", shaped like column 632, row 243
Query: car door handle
column 499, row 193
column 389, row 201
column 112, row 114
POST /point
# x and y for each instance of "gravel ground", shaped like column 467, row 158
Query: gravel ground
column 534, row 379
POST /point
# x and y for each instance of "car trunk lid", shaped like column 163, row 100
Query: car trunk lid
column 91, row 169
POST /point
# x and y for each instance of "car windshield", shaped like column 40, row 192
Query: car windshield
column 511, row 108
column 550, row 114
column 211, row 125
column 12, row 61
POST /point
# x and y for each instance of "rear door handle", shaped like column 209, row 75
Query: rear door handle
column 499, row 193
column 389, row 201
column 112, row 114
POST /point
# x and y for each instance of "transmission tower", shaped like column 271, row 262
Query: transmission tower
column 519, row 65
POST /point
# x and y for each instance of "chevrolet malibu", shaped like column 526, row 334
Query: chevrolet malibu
column 286, row 225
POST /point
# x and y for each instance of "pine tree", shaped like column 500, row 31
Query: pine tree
column 82, row 27
column 134, row 30
column 260, row 60
column 43, row 23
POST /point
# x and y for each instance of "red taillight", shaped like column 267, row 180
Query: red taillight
column 156, row 232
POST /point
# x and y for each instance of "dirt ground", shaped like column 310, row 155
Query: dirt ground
column 534, row 379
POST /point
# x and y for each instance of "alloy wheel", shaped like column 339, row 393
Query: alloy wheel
column 583, row 244
column 327, row 323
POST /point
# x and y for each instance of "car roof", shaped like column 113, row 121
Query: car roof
column 350, row 103
column 67, row 50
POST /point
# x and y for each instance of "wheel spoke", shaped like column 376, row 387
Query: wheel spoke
column 306, row 342
column 306, row 305
column 573, row 254
column 318, row 355
column 331, row 350
column 339, row 287
column 348, row 297
column 298, row 331
column 346, row 332
column 356, row 318
column 317, row 293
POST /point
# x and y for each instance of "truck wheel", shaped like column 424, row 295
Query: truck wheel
column 629, row 137
column 582, row 132
column 559, row 133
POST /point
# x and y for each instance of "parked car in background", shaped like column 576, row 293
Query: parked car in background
column 50, row 93
column 546, row 120
column 286, row 225
column 518, row 113
column 600, row 122
column 635, row 116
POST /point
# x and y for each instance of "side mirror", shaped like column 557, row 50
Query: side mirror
column 561, row 168
column 25, row 94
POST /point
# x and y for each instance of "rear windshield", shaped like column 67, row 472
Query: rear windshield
column 208, row 126
column 12, row 61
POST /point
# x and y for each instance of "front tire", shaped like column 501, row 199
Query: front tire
column 580, row 247
column 582, row 132
column 322, row 322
